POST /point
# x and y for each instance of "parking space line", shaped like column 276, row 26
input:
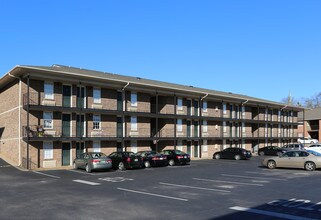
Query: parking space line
column 269, row 213
column 252, row 177
column 86, row 182
column 230, row 182
column 194, row 187
column 153, row 194
column 52, row 176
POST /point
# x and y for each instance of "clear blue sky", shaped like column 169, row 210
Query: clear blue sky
column 260, row 48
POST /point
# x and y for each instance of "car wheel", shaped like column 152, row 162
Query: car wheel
column 237, row 157
column 309, row 166
column 271, row 164
column 261, row 153
column 147, row 164
column 121, row 166
column 171, row 162
column 88, row 169
column 217, row 156
column 74, row 165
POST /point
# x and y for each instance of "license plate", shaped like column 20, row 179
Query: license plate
column 161, row 158
column 136, row 160
column 185, row 157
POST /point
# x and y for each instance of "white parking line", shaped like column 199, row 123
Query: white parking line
column 194, row 187
column 87, row 182
column 152, row 194
column 269, row 213
column 230, row 182
column 253, row 177
column 52, row 176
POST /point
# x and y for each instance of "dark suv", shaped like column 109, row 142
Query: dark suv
column 289, row 147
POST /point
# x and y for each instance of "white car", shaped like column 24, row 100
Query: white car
column 307, row 140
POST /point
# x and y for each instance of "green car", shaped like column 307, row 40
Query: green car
column 92, row 161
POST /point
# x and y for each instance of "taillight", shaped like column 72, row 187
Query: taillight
column 95, row 161
column 165, row 158
column 128, row 159
column 108, row 161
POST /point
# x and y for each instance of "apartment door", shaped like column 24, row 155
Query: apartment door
column 80, row 97
column 66, row 96
column 188, row 126
column 66, row 121
column 80, row 125
column 196, row 129
column 119, row 101
column 196, row 150
column 188, row 148
column 119, row 147
column 65, row 154
column 189, row 107
column 195, row 108
column 119, row 127
column 80, row 148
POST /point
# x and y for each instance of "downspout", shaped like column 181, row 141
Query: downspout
column 19, row 117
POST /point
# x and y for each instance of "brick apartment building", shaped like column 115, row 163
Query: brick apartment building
column 50, row 114
column 310, row 123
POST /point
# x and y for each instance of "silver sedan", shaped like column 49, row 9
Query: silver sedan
column 294, row 159
column 92, row 161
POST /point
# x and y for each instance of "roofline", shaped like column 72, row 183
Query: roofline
column 14, row 72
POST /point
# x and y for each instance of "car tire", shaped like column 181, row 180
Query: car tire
column 271, row 164
column 74, row 165
column 171, row 162
column 88, row 168
column 261, row 153
column 121, row 166
column 217, row 156
column 309, row 166
column 237, row 157
column 147, row 164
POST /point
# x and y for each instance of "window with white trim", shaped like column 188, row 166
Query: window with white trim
column 133, row 123
column 224, row 127
column 243, row 112
column 243, row 127
column 133, row 99
column 204, row 106
column 96, row 146
column 96, row 122
column 48, row 120
column 49, row 90
column 97, row 95
column 224, row 108
column 47, row 150
column 134, row 146
column 179, row 125
column 204, row 147
column 180, row 104
column 205, row 126
column 266, row 114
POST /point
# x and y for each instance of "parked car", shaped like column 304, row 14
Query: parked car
column 314, row 152
column 92, row 161
column 153, row 159
column 289, row 147
column 176, row 157
column 307, row 140
column 271, row 150
column 313, row 146
column 126, row 160
column 294, row 159
column 233, row 153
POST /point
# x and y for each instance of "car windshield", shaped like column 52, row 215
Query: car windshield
column 178, row 152
column 129, row 154
column 97, row 155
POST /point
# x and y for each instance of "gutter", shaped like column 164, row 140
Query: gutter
column 204, row 97
column 19, row 117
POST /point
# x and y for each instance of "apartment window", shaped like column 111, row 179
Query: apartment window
column 47, row 150
column 179, row 125
column 279, row 115
column 134, row 146
column 224, row 108
column 133, row 99
column 243, row 111
column 204, row 147
column 224, row 127
column 47, row 120
column 180, row 104
column 243, row 127
column 266, row 114
column 204, row 106
column 97, row 95
column 96, row 146
column 133, row 123
column 266, row 130
column 49, row 90
column 96, row 122
column 205, row 126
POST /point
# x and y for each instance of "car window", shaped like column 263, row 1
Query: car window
column 178, row 152
column 86, row 156
column 82, row 156
column 303, row 154
column 112, row 154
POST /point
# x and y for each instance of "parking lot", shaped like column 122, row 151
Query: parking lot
column 206, row 189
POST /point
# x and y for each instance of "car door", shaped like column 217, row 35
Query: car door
column 285, row 160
